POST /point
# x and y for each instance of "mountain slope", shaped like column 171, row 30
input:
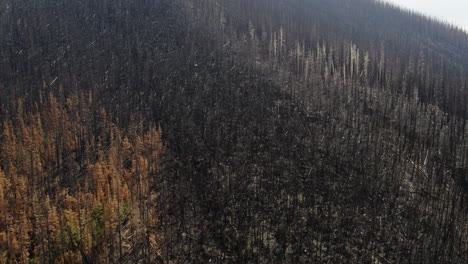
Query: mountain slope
column 295, row 131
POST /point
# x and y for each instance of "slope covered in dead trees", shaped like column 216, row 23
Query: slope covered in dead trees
column 297, row 131
column 74, row 188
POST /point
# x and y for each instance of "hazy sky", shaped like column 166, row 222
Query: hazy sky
column 453, row 11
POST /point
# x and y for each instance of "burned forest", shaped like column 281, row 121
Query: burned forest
column 231, row 131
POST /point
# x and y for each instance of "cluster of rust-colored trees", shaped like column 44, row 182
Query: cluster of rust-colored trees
column 74, row 187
